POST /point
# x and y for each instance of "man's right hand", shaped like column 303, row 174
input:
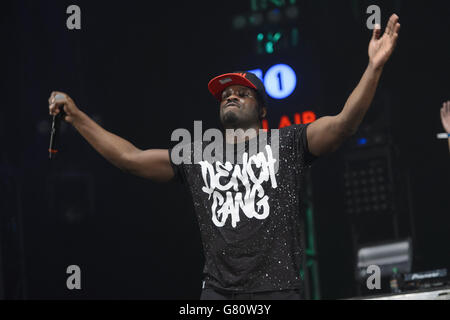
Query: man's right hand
column 66, row 103
column 153, row 164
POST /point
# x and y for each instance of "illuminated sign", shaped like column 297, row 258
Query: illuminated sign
column 303, row 118
column 280, row 80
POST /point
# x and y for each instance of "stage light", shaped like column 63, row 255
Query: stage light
column 281, row 39
column 269, row 47
column 362, row 141
column 272, row 39
column 276, row 36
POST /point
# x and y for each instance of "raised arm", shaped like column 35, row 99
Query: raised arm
column 152, row 164
column 326, row 134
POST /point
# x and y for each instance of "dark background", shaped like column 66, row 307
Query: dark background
column 141, row 70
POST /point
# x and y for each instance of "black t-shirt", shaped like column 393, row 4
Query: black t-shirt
column 250, row 217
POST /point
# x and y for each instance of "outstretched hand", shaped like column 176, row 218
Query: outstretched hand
column 445, row 116
column 381, row 48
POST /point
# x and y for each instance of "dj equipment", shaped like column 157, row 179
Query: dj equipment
column 424, row 280
column 428, row 285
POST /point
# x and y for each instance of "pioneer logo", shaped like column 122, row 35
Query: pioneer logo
column 425, row 276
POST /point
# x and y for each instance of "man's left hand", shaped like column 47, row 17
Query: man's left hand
column 381, row 48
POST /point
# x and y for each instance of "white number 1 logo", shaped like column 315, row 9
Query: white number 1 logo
column 280, row 80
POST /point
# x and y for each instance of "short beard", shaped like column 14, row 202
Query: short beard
column 230, row 120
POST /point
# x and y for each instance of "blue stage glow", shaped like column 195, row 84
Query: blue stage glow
column 258, row 73
column 362, row 141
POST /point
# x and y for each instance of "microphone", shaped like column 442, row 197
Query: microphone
column 52, row 151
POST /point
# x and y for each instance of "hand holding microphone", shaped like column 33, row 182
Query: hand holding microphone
column 58, row 102
column 61, row 106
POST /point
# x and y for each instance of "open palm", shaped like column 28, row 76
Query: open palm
column 381, row 48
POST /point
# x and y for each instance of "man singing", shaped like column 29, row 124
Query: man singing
column 248, row 213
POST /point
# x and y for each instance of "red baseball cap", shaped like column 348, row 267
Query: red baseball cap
column 246, row 79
